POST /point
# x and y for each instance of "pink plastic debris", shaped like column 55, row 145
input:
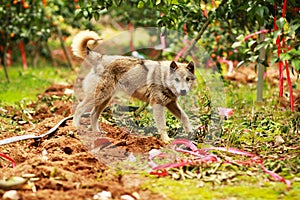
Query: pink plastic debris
column 195, row 156
column 227, row 112
column 13, row 163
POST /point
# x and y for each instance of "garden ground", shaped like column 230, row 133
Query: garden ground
column 62, row 167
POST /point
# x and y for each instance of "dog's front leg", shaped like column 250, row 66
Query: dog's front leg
column 159, row 117
column 177, row 111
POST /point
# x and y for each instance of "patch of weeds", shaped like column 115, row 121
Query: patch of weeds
column 254, row 128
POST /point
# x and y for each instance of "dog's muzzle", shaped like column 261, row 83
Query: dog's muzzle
column 183, row 92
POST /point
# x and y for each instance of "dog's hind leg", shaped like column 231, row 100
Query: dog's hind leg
column 96, row 113
column 103, row 93
column 85, row 104
column 177, row 111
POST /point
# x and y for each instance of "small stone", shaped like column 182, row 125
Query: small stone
column 200, row 184
column 44, row 155
column 2, row 110
column 68, row 91
column 154, row 152
column 136, row 195
column 131, row 158
column 28, row 175
column 104, row 195
column 278, row 140
column 12, row 183
column 127, row 197
column 12, row 195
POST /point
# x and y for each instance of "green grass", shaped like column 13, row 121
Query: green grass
column 26, row 84
column 195, row 189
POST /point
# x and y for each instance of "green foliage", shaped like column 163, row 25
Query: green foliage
column 163, row 13
column 228, row 19
column 250, row 49
column 20, row 20
column 34, row 20
column 291, row 53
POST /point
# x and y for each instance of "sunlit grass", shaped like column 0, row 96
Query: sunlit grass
column 196, row 189
column 26, row 84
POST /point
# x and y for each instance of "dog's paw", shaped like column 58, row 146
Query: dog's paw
column 165, row 138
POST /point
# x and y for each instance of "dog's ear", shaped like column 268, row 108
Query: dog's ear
column 173, row 66
column 191, row 67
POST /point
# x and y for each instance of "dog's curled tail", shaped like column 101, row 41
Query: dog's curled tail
column 82, row 41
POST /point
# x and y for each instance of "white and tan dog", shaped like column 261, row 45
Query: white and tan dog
column 159, row 83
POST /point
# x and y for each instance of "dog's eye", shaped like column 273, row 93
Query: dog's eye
column 187, row 79
column 177, row 79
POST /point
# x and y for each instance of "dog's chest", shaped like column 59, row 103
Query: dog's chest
column 154, row 93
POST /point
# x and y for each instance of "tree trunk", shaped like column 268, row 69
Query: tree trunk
column 36, row 53
column 64, row 47
column 4, row 62
column 260, row 69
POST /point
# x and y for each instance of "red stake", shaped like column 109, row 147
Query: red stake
column 290, row 85
column 280, row 66
column 9, row 57
column 23, row 55
column 281, row 63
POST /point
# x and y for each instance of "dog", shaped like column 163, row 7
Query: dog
column 158, row 83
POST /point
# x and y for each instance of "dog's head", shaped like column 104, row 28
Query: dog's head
column 182, row 78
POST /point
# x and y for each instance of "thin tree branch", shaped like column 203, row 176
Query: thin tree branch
column 205, row 25
column 64, row 47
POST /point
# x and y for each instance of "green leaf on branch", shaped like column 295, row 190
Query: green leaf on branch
column 140, row 4
column 252, row 42
column 253, row 58
column 85, row 13
column 262, row 45
column 260, row 14
column 295, row 52
column 240, row 37
column 236, row 44
column 296, row 64
column 96, row 16
column 285, row 56
column 280, row 22
column 78, row 13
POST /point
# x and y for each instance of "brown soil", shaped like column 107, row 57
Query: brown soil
column 61, row 166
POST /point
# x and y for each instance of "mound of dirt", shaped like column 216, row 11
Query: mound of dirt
column 71, row 163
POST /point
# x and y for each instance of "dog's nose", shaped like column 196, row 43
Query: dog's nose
column 182, row 92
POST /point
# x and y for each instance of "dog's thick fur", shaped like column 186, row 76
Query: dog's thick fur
column 158, row 82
